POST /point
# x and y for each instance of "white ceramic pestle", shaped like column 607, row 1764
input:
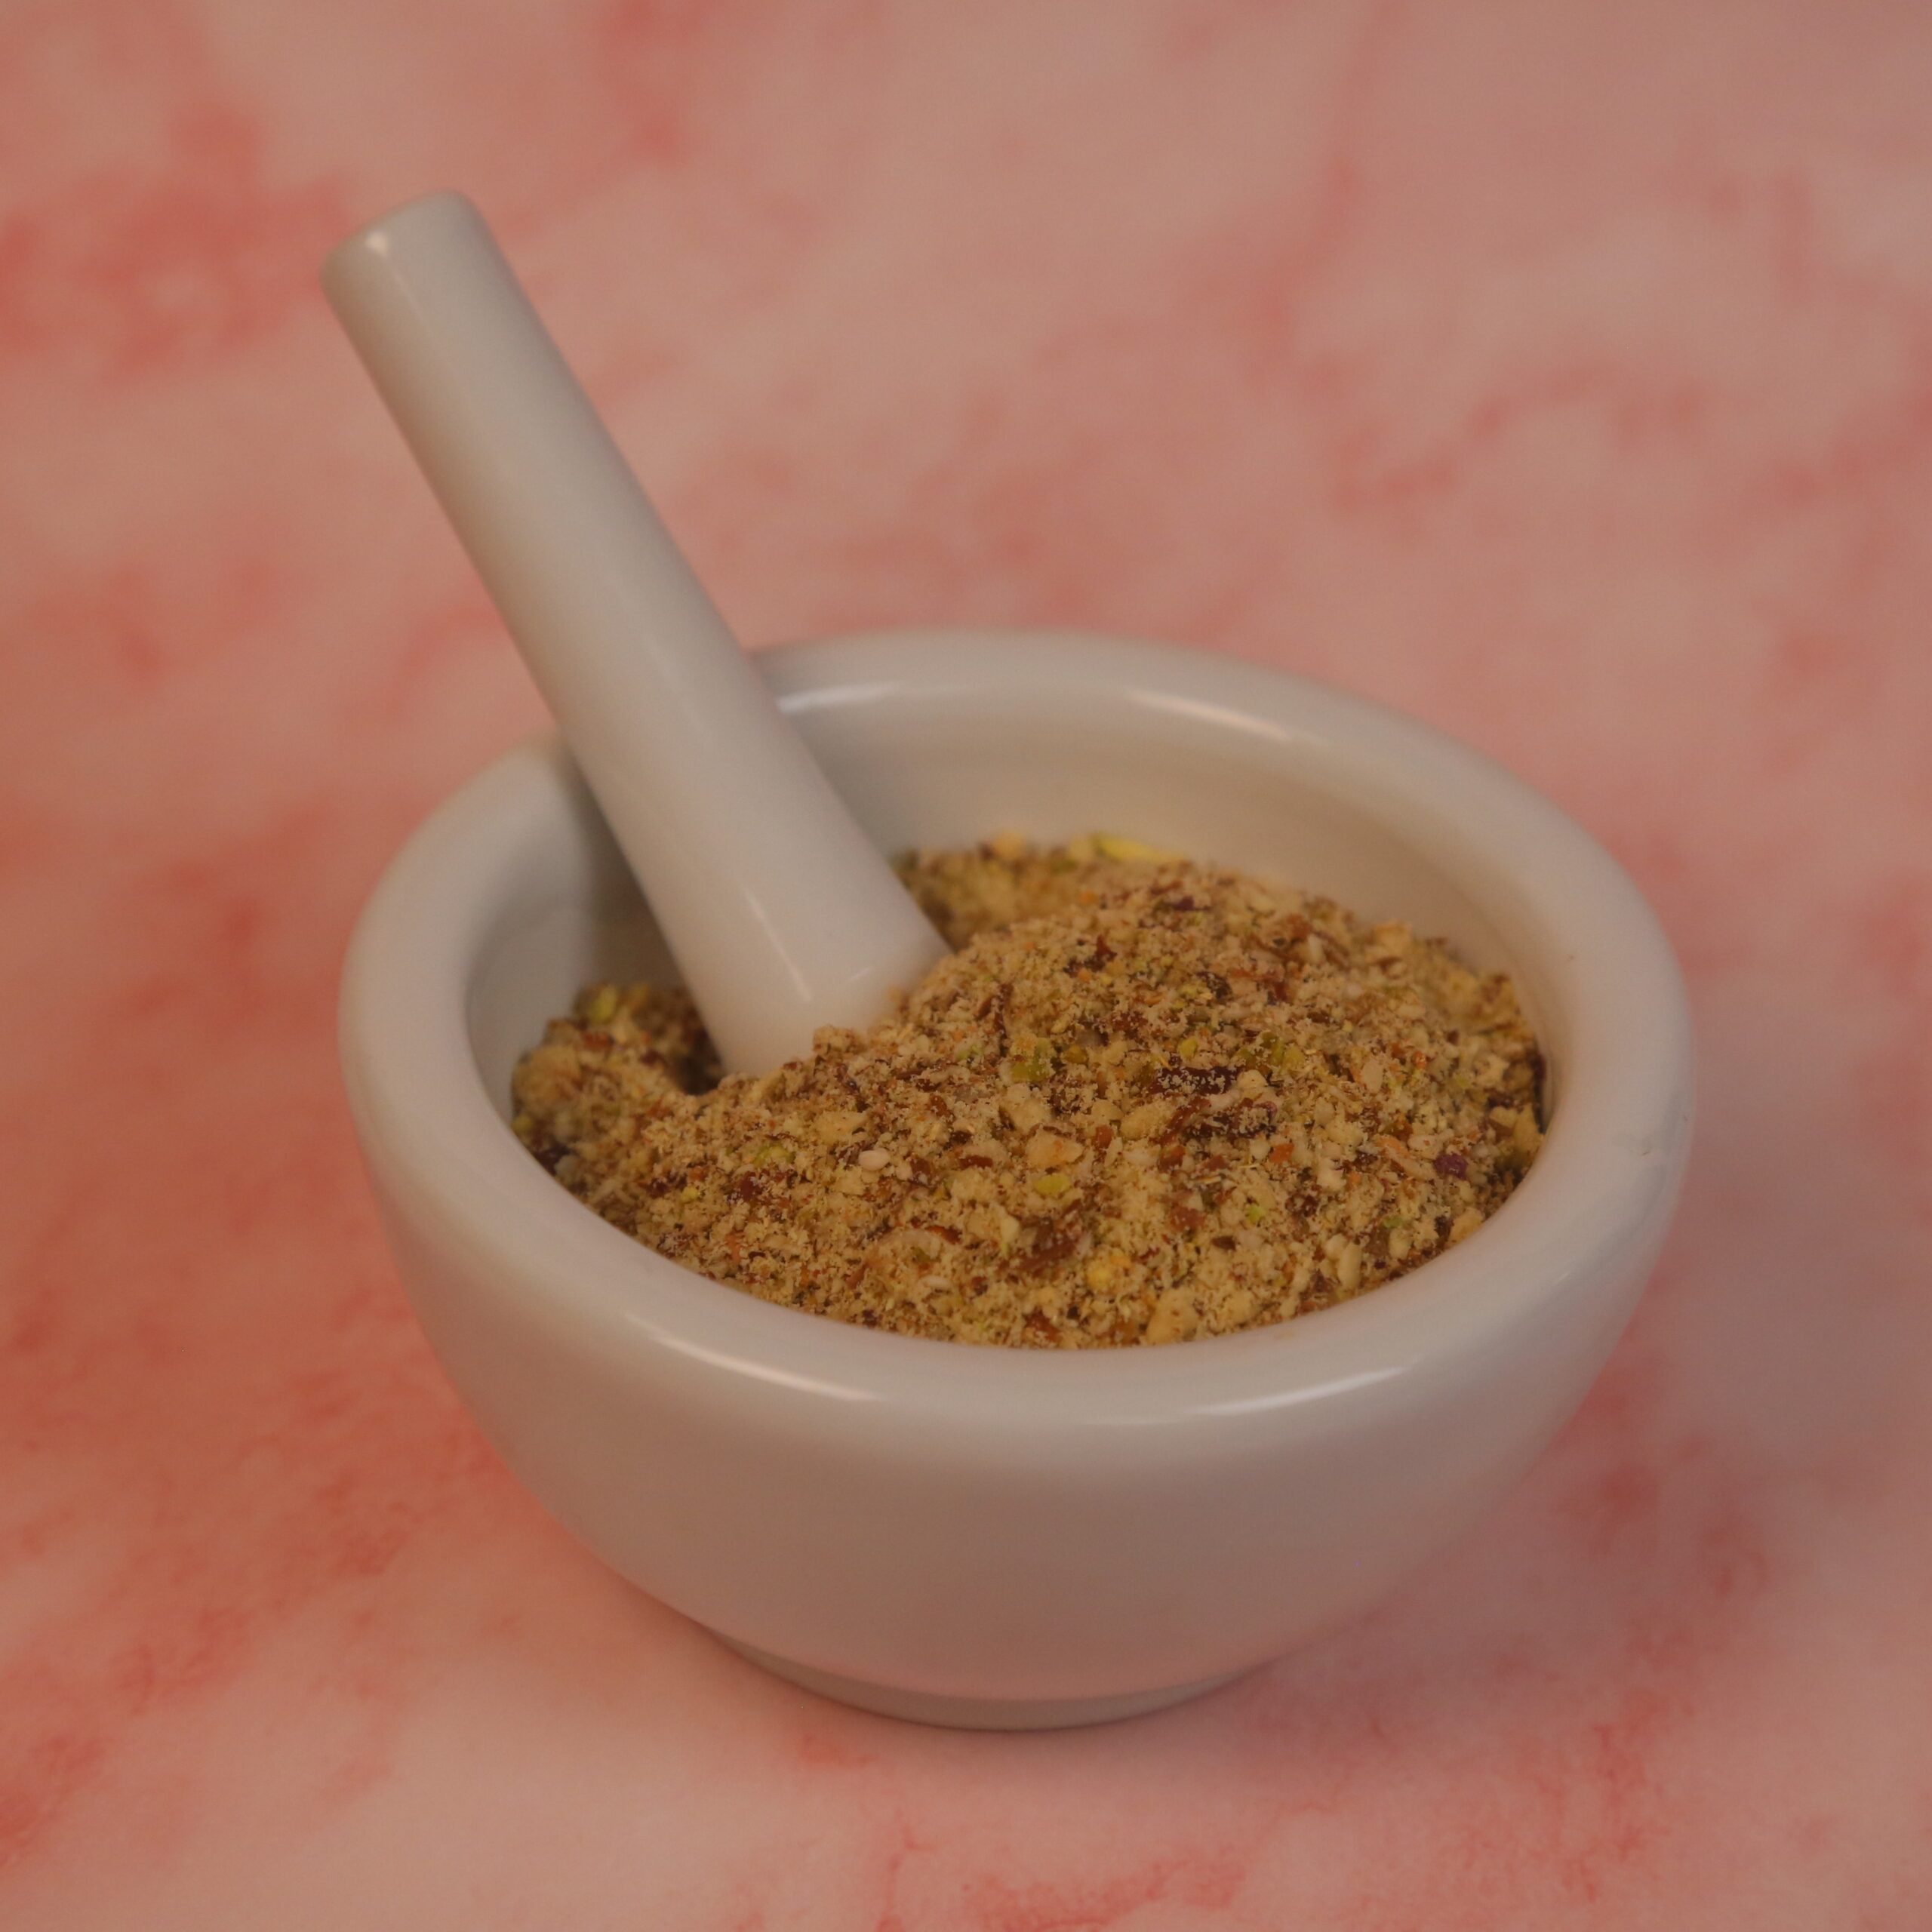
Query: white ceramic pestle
column 783, row 916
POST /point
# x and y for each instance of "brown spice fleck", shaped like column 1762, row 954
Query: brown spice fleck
column 1145, row 1100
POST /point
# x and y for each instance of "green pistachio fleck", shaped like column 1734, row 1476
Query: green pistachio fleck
column 1034, row 1065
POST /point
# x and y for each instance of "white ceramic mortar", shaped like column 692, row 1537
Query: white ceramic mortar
column 1012, row 1538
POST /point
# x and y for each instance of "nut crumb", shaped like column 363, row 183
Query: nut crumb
column 1145, row 1100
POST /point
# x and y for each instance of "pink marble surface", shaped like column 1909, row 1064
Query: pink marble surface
column 1561, row 372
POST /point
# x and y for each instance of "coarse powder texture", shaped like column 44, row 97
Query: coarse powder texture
column 1145, row 1100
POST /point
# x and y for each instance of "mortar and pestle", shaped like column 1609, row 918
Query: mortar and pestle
column 974, row 1536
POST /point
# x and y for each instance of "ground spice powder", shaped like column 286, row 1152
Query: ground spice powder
column 1145, row 1100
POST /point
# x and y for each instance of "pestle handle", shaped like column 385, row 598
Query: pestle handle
column 782, row 914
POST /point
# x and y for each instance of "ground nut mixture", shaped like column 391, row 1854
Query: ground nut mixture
column 1145, row 1100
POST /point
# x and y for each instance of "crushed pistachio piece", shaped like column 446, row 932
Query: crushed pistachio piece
column 1132, row 851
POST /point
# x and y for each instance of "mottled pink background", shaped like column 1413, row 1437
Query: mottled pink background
column 1561, row 372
